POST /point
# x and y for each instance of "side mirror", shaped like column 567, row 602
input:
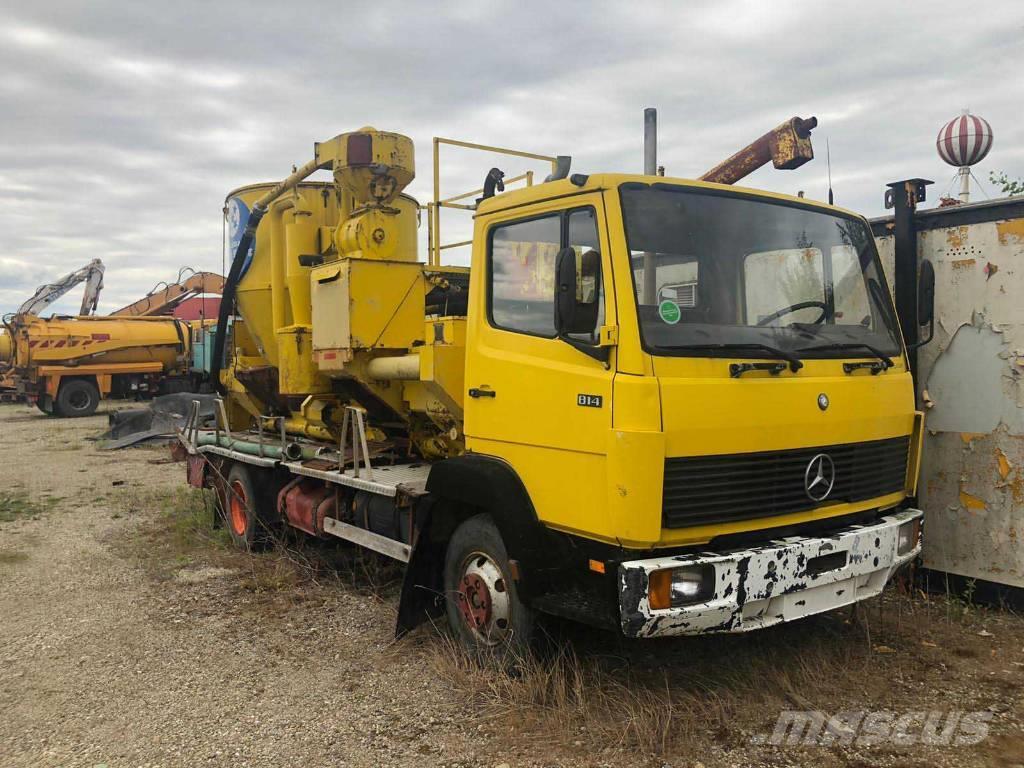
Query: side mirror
column 577, row 297
column 926, row 301
column 577, row 291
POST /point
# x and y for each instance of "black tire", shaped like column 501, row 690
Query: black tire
column 481, row 598
column 45, row 404
column 77, row 397
column 247, row 512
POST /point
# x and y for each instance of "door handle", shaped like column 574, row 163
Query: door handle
column 474, row 392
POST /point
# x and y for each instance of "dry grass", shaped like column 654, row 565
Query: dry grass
column 189, row 532
column 596, row 691
column 664, row 697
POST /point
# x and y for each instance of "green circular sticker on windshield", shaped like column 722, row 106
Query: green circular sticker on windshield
column 669, row 312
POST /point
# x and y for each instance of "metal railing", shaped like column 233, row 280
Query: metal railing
column 434, row 244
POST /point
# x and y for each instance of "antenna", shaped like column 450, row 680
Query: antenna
column 828, row 162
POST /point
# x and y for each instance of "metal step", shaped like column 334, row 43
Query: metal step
column 368, row 539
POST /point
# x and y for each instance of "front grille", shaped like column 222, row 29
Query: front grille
column 715, row 489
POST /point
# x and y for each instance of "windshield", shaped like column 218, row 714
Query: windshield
column 712, row 269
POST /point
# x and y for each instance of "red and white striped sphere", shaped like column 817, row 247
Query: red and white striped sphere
column 964, row 140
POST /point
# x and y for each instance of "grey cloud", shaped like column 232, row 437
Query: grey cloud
column 125, row 124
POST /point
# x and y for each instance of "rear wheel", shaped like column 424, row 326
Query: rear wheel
column 77, row 397
column 482, row 601
column 245, row 509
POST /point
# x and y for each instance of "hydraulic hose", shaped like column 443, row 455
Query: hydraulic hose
column 227, row 303
column 290, row 452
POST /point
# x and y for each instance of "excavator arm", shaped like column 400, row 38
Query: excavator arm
column 91, row 274
column 164, row 298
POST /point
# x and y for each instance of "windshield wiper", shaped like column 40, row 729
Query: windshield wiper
column 795, row 363
column 886, row 360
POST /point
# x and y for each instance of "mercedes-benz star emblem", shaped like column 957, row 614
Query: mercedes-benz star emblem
column 823, row 401
column 819, row 477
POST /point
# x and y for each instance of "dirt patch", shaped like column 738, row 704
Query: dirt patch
column 133, row 634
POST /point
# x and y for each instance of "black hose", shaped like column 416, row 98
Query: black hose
column 227, row 301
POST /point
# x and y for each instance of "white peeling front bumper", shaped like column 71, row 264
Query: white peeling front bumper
column 781, row 581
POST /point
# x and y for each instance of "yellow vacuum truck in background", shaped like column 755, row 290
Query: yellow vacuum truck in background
column 66, row 365
column 657, row 405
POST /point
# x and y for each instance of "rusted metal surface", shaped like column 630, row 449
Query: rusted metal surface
column 787, row 146
column 305, row 504
column 164, row 298
column 762, row 586
column 970, row 382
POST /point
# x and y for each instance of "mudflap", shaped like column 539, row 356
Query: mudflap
column 422, row 595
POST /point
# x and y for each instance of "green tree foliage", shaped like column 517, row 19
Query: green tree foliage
column 1009, row 187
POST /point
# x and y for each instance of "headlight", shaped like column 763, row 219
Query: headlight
column 909, row 537
column 674, row 587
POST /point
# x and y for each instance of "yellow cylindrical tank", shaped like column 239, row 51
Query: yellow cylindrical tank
column 298, row 230
column 6, row 348
column 59, row 341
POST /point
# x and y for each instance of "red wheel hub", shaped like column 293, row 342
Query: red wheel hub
column 475, row 601
column 237, row 508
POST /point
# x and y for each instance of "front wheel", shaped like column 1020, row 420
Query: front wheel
column 482, row 600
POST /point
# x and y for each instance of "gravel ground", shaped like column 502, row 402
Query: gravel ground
column 117, row 650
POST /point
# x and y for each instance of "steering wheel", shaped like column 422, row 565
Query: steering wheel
column 796, row 308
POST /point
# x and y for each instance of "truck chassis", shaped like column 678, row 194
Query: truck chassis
column 785, row 579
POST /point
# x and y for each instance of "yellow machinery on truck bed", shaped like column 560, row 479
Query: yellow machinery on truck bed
column 631, row 412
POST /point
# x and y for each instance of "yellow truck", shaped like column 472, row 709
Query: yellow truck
column 66, row 365
column 656, row 405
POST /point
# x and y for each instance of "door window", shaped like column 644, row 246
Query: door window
column 523, row 275
column 522, row 270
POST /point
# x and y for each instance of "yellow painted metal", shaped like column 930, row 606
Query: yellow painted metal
column 356, row 158
column 107, row 340
column 608, row 481
column 6, row 348
column 400, row 368
column 363, row 304
column 434, row 246
column 43, row 350
column 596, row 472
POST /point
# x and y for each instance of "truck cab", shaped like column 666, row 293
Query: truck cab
column 703, row 388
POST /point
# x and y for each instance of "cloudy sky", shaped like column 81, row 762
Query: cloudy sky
column 125, row 123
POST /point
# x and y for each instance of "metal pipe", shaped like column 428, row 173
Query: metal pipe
column 227, row 302
column 434, row 257
column 291, row 451
column 650, row 292
column 965, row 184
column 300, row 426
column 405, row 368
column 562, row 166
column 278, row 251
column 903, row 197
column 787, row 146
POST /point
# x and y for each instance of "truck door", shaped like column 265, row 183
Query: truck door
column 532, row 399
